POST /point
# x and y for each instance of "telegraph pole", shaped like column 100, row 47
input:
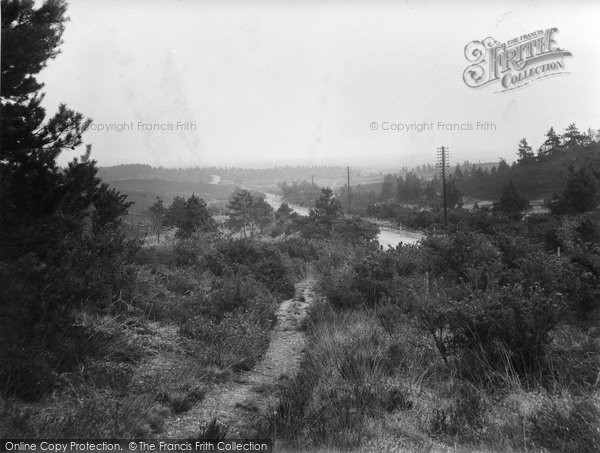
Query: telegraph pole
column 442, row 154
column 348, row 189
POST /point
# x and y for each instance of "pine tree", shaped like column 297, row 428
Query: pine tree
column 503, row 167
column 580, row 195
column 525, row 154
column 284, row 211
column 572, row 136
column 453, row 194
column 158, row 212
column 241, row 215
column 387, row 188
column 400, row 190
column 326, row 213
column 552, row 140
column 511, row 202
column 197, row 218
column 412, row 187
column 262, row 213
column 431, row 194
column 176, row 214
column 458, row 173
column 61, row 247
column 588, row 137
column 189, row 216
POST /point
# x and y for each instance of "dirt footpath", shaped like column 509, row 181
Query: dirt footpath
column 240, row 403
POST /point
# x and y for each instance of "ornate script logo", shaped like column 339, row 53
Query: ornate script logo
column 514, row 63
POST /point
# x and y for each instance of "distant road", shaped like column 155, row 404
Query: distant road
column 388, row 235
column 276, row 200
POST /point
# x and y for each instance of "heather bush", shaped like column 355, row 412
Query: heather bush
column 367, row 275
column 462, row 256
column 301, row 248
column 511, row 322
column 262, row 261
column 42, row 299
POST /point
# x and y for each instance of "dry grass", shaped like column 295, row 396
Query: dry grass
column 182, row 331
column 364, row 385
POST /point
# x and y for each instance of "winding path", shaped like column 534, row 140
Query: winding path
column 239, row 404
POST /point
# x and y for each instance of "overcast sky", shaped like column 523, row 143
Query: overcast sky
column 276, row 82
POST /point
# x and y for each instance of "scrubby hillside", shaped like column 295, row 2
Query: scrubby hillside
column 537, row 179
column 479, row 339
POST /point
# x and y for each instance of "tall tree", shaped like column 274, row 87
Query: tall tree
column 61, row 248
column 588, row 137
column 32, row 187
column 188, row 216
column 458, row 173
column 176, row 214
column 431, row 194
column 30, row 38
column 413, row 187
column 453, row 194
column 241, row 215
column 552, row 140
column 400, row 190
column 284, row 211
column 572, row 136
column 158, row 212
column 525, row 153
column 262, row 213
column 326, row 212
column 387, row 188
column 197, row 217
column 29, row 145
column 580, row 195
column 511, row 202
column 503, row 167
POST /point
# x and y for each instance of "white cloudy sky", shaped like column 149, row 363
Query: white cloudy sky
column 276, row 82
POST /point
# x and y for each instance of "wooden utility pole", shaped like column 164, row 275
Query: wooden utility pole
column 442, row 166
column 348, row 190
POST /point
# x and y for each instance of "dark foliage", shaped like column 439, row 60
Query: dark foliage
column 511, row 202
column 580, row 195
column 264, row 262
column 61, row 248
column 248, row 212
column 188, row 216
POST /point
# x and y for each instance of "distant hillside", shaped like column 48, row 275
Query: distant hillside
column 535, row 180
column 143, row 192
column 227, row 174
column 369, row 187
column 424, row 172
column 143, row 183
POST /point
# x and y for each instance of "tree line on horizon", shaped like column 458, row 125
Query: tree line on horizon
column 565, row 168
